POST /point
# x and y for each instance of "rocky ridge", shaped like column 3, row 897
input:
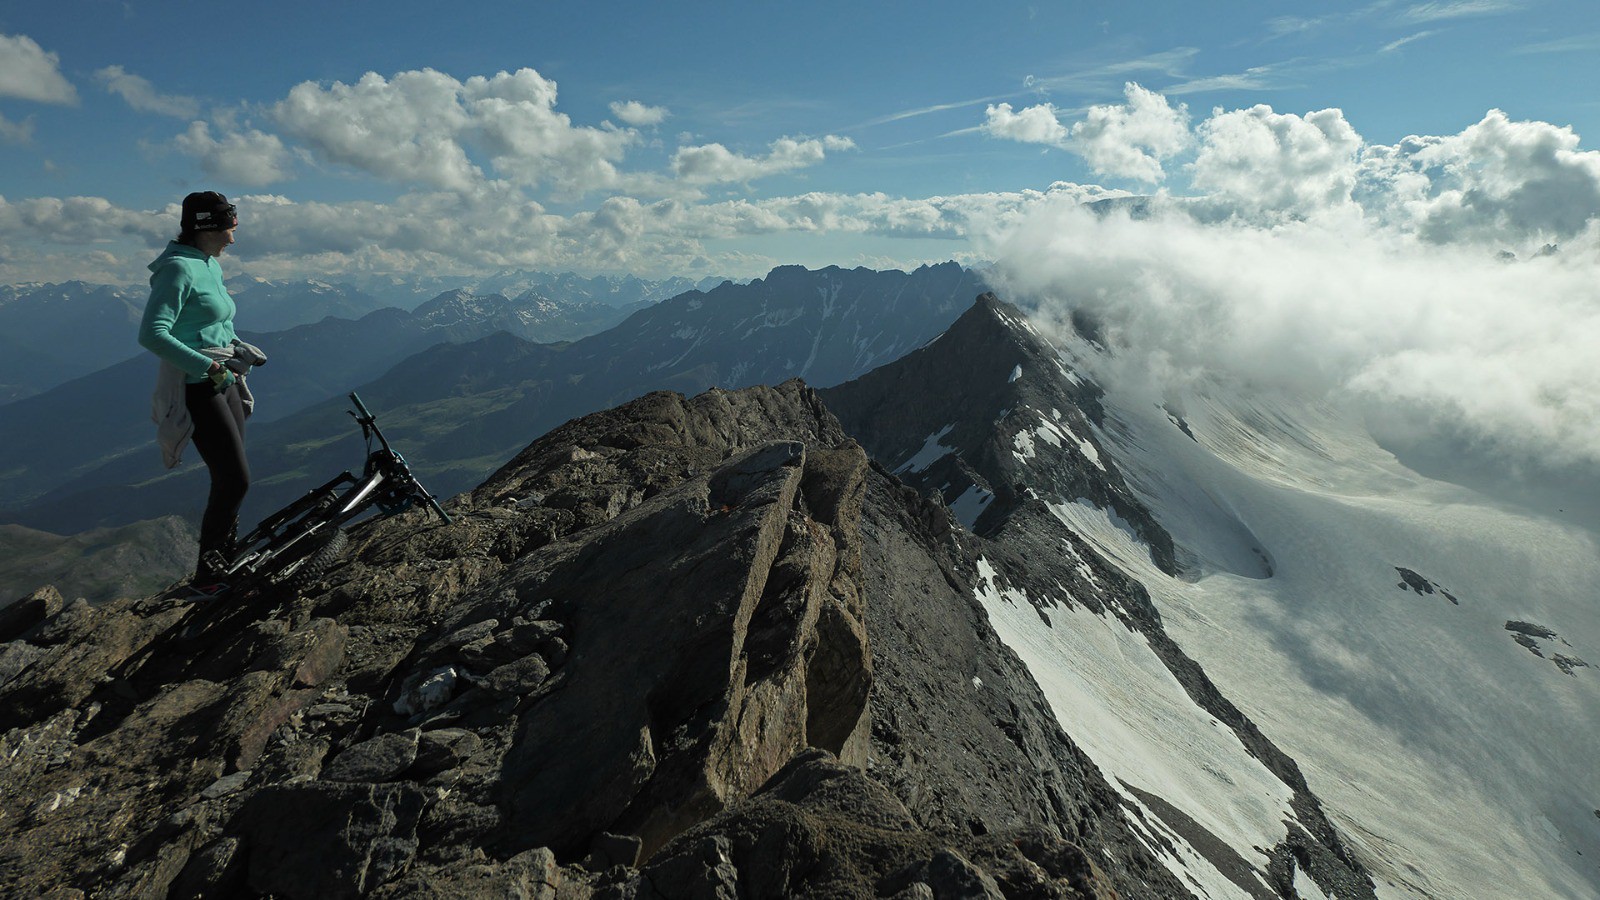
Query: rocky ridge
column 992, row 419
column 680, row 648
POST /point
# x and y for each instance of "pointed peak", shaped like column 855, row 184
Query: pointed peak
column 988, row 314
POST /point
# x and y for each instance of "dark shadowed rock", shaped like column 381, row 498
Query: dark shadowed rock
column 822, row 829
column 376, row 759
column 329, row 840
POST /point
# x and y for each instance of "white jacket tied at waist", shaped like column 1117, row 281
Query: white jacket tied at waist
column 171, row 414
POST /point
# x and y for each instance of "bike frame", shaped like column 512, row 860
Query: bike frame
column 386, row 482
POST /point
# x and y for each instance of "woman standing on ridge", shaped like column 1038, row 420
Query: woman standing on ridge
column 200, row 393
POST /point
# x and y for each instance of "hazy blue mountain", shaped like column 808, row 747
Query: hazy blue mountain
column 76, row 426
column 55, row 331
column 613, row 290
column 127, row 561
column 275, row 305
column 461, row 315
column 52, row 333
column 460, row 410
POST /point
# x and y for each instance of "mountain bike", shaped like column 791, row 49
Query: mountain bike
column 296, row 544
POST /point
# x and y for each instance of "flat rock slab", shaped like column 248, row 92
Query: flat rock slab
column 378, row 759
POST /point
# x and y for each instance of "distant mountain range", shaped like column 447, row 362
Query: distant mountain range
column 52, row 333
column 306, row 364
column 459, row 410
column 100, row 564
column 612, row 290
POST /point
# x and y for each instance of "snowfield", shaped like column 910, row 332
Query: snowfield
column 1456, row 761
column 1117, row 699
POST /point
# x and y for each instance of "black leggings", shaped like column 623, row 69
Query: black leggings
column 219, row 436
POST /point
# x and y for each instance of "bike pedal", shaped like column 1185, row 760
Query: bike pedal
column 209, row 591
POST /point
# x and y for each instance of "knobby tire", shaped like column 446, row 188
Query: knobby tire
column 302, row 572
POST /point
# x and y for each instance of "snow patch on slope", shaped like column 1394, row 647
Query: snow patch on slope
column 1113, row 694
column 970, row 505
column 932, row 451
column 1053, row 431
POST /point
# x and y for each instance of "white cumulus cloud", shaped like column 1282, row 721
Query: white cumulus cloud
column 526, row 139
column 401, row 128
column 1498, row 180
column 637, row 114
column 1267, row 161
column 1130, row 140
column 143, row 96
column 74, row 220
column 1039, row 124
column 1442, row 336
column 424, row 127
column 1125, row 140
column 712, row 163
column 248, row 157
column 29, row 72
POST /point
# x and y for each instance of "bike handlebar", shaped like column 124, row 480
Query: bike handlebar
column 367, row 420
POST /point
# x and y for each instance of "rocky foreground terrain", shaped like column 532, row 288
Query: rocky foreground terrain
column 684, row 648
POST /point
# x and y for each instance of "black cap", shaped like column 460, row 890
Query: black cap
column 208, row 211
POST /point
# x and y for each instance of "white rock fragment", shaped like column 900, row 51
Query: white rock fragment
column 226, row 785
column 431, row 692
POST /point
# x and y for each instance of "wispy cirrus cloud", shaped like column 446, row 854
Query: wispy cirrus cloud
column 931, row 109
column 1093, row 79
column 1572, row 43
column 1281, row 26
column 1397, row 44
column 1173, row 63
column 1441, row 10
column 1272, row 76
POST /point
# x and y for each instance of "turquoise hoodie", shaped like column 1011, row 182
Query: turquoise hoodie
column 188, row 309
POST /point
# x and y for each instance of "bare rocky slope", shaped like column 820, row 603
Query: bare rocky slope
column 681, row 648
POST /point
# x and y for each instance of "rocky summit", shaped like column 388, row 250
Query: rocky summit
column 681, row 648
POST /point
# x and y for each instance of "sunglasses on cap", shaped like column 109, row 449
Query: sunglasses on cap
column 222, row 217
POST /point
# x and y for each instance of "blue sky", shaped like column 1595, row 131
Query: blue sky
column 716, row 139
